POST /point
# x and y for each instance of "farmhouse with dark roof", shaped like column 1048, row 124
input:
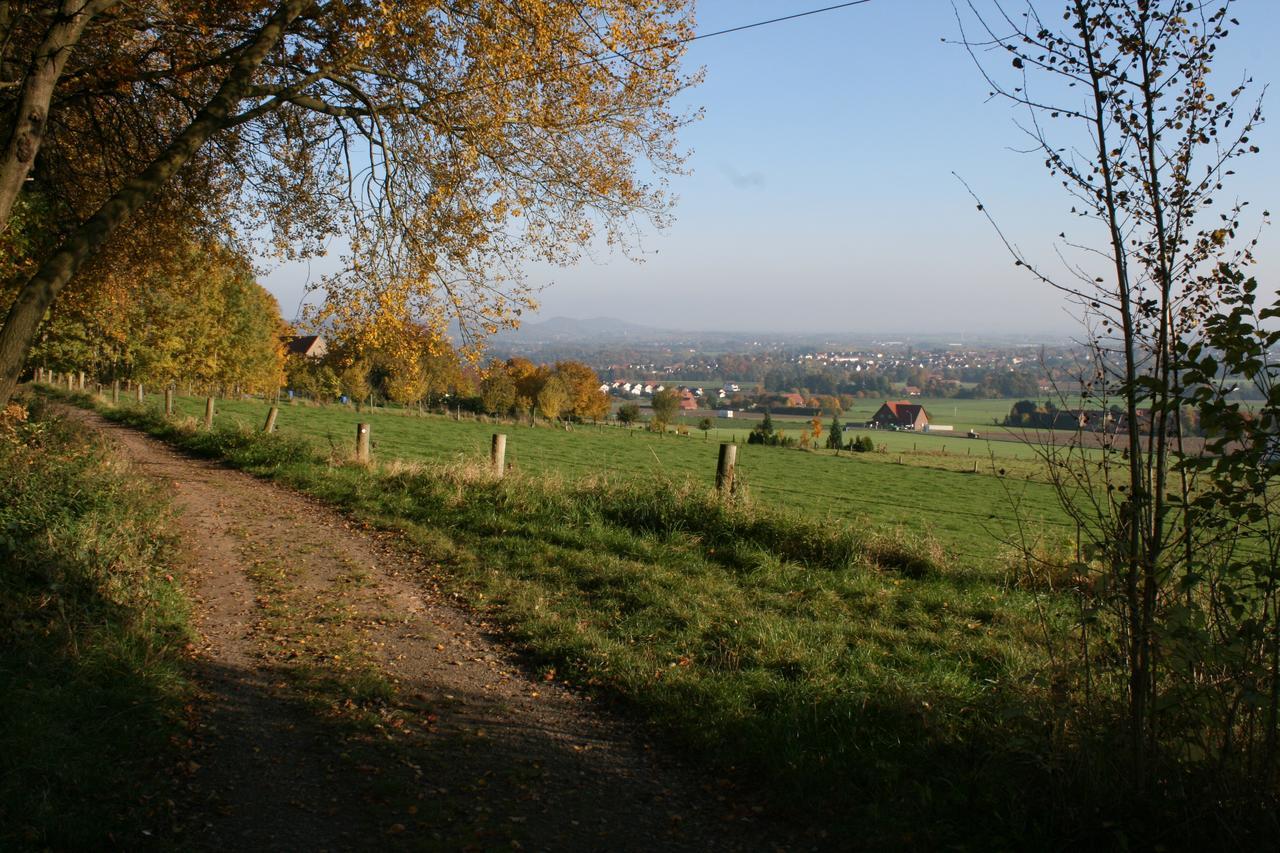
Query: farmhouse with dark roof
column 307, row 346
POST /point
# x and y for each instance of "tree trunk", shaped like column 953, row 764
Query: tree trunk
column 38, row 293
column 32, row 113
column 1131, row 509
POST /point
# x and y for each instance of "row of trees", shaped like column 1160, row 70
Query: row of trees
column 566, row 389
column 414, row 369
column 194, row 315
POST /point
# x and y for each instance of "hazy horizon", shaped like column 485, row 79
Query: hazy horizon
column 882, row 334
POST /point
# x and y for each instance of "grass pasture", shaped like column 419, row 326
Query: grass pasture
column 887, row 688
column 925, row 484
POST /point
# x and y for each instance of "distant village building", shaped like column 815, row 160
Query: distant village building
column 900, row 415
column 307, row 346
column 688, row 401
column 794, row 401
column 913, row 391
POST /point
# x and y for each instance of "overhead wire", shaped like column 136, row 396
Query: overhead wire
column 612, row 55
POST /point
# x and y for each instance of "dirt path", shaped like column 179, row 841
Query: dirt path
column 347, row 706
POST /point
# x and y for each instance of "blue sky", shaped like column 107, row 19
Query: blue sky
column 822, row 197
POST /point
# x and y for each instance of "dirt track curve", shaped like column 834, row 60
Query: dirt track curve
column 466, row 752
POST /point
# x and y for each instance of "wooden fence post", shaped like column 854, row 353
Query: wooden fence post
column 81, row 380
column 115, row 392
column 208, row 413
column 362, row 442
column 140, row 393
column 498, row 453
column 168, row 402
column 71, row 381
column 725, row 467
column 270, row 425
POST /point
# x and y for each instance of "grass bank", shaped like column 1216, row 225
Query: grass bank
column 93, row 630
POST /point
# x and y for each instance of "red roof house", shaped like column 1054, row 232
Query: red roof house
column 900, row 414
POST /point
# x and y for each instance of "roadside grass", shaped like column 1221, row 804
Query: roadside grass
column 93, row 636
column 860, row 674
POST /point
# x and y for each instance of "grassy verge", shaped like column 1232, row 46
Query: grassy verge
column 859, row 675
column 93, row 630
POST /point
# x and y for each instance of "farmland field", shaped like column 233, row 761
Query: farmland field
column 924, row 483
column 981, row 416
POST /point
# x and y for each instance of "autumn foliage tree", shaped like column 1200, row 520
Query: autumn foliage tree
column 497, row 389
column 586, row 401
column 445, row 142
column 665, row 403
column 552, row 398
column 197, row 316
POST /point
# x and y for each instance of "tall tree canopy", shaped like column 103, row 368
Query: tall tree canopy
column 445, row 141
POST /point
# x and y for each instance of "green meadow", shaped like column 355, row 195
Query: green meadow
column 852, row 638
column 926, row 484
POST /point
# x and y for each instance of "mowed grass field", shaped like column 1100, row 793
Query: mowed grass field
column 925, row 484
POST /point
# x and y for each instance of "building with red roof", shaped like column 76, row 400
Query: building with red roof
column 900, row 414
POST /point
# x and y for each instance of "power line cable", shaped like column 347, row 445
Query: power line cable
column 742, row 27
column 590, row 60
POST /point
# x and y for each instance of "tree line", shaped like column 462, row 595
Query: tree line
column 519, row 387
